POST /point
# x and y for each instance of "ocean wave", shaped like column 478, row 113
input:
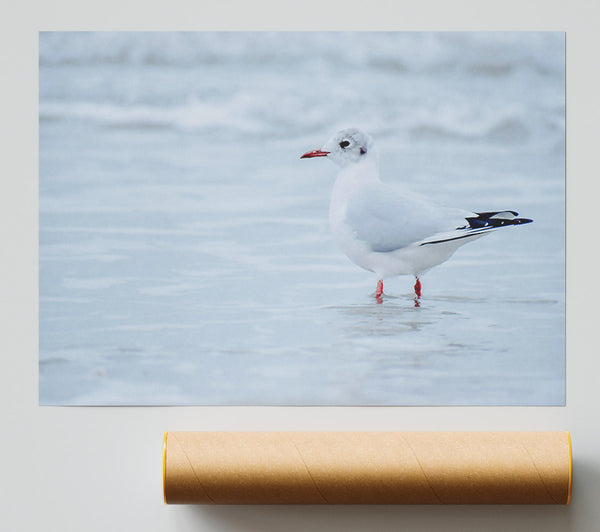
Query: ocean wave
column 188, row 116
column 246, row 117
column 476, row 53
column 498, row 128
column 494, row 88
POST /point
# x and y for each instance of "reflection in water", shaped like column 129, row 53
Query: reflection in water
column 390, row 318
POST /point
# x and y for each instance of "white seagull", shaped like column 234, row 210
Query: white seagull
column 388, row 232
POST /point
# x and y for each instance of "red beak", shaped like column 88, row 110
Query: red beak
column 315, row 153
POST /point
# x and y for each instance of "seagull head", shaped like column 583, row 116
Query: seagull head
column 346, row 147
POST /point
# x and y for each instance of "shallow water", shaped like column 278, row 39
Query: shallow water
column 185, row 254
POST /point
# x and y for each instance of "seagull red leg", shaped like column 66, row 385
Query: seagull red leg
column 418, row 288
column 379, row 290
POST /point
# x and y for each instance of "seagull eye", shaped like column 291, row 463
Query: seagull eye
column 344, row 144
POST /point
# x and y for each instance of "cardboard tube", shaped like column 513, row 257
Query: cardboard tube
column 367, row 467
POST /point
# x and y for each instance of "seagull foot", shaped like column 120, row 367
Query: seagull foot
column 379, row 291
column 418, row 289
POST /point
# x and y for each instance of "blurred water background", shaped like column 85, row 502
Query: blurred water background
column 185, row 253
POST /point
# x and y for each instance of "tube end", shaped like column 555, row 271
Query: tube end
column 570, row 467
column 164, row 467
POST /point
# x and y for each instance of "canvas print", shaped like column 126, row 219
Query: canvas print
column 315, row 218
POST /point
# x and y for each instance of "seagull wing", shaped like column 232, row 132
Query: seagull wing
column 387, row 220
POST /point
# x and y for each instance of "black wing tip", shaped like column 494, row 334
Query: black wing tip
column 521, row 221
column 486, row 219
column 488, row 215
